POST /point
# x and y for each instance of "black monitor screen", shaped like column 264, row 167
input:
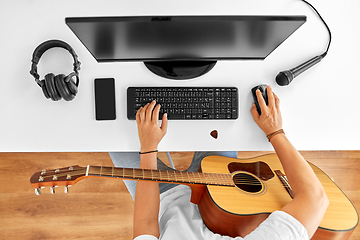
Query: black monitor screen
column 183, row 37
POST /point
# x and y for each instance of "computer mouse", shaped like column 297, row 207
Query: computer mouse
column 263, row 91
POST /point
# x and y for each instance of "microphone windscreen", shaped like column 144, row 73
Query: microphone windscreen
column 282, row 79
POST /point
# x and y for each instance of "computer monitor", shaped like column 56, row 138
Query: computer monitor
column 182, row 47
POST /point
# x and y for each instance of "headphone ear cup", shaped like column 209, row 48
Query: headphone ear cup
column 71, row 85
column 50, row 87
column 62, row 88
column 43, row 88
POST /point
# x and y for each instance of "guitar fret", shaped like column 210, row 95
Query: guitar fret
column 224, row 179
column 182, row 178
column 194, row 177
column 157, row 175
column 188, row 177
column 211, row 178
column 220, row 179
column 206, row 178
column 229, row 180
column 217, row 179
column 200, row 178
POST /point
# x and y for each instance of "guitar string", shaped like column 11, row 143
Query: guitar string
column 237, row 180
column 81, row 171
column 200, row 181
column 145, row 174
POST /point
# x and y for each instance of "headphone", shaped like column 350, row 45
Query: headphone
column 59, row 86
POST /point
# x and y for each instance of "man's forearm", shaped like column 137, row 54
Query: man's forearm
column 147, row 201
column 299, row 173
column 310, row 200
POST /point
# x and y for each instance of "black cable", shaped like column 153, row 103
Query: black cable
column 328, row 46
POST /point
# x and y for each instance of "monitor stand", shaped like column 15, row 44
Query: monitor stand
column 180, row 70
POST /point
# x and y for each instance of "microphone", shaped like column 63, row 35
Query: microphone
column 285, row 77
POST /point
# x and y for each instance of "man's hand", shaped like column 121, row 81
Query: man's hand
column 270, row 119
column 150, row 134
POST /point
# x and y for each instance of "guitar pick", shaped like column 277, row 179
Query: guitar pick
column 214, row 134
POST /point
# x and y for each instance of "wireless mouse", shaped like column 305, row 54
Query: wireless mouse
column 263, row 91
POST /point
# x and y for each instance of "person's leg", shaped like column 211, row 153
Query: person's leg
column 132, row 160
column 127, row 160
column 198, row 156
column 194, row 166
column 164, row 186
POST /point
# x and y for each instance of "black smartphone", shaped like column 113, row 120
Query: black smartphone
column 105, row 98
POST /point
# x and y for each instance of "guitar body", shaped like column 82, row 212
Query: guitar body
column 236, row 211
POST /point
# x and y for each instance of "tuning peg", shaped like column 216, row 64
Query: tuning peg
column 37, row 191
column 52, row 190
column 66, row 188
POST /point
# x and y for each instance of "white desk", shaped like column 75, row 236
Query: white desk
column 320, row 108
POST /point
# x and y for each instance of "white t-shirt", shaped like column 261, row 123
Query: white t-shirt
column 179, row 219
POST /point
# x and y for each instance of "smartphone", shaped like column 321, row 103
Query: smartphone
column 105, row 98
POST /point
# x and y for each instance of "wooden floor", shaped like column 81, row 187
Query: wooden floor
column 98, row 208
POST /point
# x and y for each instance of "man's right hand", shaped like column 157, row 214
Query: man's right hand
column 270, row 119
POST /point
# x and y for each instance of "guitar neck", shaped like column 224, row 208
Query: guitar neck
column 161, row 175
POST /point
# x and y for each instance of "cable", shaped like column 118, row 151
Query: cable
column 285, row 77
column 328, row 46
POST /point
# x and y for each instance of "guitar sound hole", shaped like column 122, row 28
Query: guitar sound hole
column 247, row 182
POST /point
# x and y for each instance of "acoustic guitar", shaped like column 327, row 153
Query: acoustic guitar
column 234, row 195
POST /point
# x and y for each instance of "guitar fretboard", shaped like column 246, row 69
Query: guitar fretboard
column 162, row 176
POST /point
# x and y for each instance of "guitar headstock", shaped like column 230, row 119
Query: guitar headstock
column 57, row 177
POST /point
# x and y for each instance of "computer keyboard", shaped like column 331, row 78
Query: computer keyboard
column 186, row 103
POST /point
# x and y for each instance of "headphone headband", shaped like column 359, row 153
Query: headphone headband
column 42, row 48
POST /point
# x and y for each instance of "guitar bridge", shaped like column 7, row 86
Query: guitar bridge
column 285, row 182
